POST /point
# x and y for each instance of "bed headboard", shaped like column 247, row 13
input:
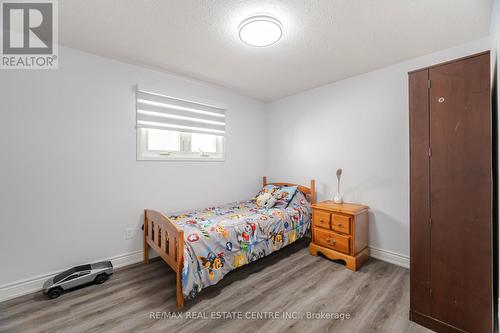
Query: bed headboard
column 308, row 191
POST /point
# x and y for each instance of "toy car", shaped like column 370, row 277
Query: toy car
column 77, row 276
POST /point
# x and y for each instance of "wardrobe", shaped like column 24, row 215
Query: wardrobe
column 451, row 208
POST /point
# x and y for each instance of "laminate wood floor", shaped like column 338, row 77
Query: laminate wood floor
column 376, row 297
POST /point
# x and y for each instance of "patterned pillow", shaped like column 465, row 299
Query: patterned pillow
column 284, row 195
column 271, row 189
column 299, row 200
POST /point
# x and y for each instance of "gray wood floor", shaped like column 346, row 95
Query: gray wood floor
column 376, row 297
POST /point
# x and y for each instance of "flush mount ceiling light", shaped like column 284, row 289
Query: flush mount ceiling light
column 260, row 30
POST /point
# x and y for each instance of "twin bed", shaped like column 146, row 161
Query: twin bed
column 203, row 245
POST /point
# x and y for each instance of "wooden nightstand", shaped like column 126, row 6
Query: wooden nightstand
column 340, row 231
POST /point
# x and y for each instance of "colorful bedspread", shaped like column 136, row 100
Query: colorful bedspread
column 220, row 239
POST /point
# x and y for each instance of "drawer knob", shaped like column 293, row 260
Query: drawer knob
column 321, row 221
column 331, row 241
column 339, row 224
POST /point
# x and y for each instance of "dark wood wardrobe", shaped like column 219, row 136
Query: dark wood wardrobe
column 451, row 259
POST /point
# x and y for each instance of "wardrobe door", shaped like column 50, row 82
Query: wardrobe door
column 419, row 192
column 461, row 194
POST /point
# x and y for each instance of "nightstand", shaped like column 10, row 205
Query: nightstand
column 340, row 231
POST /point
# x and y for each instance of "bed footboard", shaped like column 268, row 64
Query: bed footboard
column 167, row 240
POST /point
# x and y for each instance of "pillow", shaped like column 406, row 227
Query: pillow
column 299, row 200
column 265, row 200
column 269, row 188
column 284, row 195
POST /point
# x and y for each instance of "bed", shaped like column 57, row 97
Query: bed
column 203, row 245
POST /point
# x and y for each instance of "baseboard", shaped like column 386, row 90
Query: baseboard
column 390, row 257
column 31, row 285
column 127, row 259
column 28, row 286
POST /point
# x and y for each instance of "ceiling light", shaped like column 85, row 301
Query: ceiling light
column 260, row 30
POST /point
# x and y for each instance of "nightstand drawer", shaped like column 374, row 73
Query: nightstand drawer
column 341, row 223
column 321, row 219
column 331, row 240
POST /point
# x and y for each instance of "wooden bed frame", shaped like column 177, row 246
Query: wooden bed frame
column 167, row 239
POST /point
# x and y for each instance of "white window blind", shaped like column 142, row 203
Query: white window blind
column 155, row 111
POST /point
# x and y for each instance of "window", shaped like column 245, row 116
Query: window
column 161, row 140
column 176, row 129
column 64, row 275
column 71, row 277
column 203, row 142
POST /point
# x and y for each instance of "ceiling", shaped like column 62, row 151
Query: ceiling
column 323, row 41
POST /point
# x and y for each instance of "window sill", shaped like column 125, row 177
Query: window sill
column 182, row 159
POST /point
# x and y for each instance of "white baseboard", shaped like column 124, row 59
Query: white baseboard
column 390, row 257
column 126, row 259
column 34, row 284
column 31, row 285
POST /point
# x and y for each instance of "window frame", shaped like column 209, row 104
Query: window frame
column 70, row 277
column 144, row 154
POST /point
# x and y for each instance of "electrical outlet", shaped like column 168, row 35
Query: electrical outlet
column 129, row 233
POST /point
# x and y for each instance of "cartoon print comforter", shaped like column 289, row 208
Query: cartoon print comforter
column 220, row 239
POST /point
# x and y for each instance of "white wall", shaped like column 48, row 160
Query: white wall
column 361, row 125
column 495, row 25
column 70, row 183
